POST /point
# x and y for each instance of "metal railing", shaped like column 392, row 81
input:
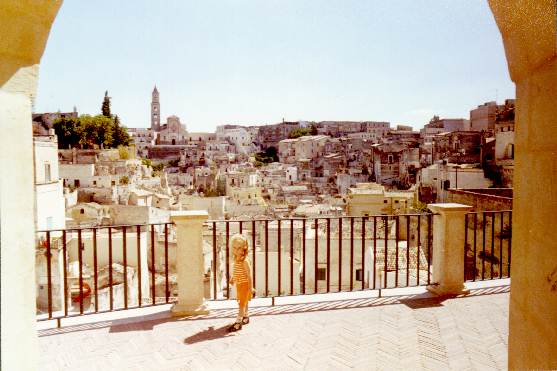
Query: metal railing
column 487, row 245
column 296, row 256
column 101, row 269
column 89, row 270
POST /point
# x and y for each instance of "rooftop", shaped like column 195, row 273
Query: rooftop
column 326, row 331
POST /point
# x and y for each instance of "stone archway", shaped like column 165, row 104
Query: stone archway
column 528, row 30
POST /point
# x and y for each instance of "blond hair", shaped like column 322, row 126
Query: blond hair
column 244, row 240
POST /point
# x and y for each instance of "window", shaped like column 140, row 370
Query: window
column 94, row 182
column 47, row 177
column 390, row 159
column 113, row 182
column 322, row 274
column 76, row 182
column 385, row 201
column 396, row 201
column 359, row 275
column 82, row 211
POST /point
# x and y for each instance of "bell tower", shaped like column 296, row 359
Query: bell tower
column 155, row 111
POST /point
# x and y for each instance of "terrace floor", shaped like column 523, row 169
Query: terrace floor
column 354, row 330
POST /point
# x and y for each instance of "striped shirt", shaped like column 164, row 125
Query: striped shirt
column 239, row 273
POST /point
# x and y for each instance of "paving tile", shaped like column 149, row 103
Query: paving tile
column 465, row 333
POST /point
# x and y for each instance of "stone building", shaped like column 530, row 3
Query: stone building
column 173, row 132
column 143, row 138
column 155, row 111
column 306, row 147
column 434, row 181
column 461, row 147
column 371, row 199
column 49, row 195
column 386, row 160
column 271, row 135
column 483, row 117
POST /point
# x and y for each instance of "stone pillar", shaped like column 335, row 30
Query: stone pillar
column 529, row 32
column 190, row 263
column 23, row 34
column 448, row 249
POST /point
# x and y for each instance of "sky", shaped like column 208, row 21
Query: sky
column 256, row 62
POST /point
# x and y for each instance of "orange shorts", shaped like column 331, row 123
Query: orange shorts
column 243, row 293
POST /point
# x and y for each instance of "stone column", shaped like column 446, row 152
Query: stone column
column 23, row 35
column 190, row 263
column 448, row 249
column 529, row 32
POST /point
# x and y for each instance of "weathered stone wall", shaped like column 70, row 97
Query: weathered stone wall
column 479, row 201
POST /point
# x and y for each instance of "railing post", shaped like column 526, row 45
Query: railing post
column 189, row 263
column 448, row 249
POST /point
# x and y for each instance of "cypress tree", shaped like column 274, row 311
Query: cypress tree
column 106, row 105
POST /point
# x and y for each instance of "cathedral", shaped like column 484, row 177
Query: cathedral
column 173, row 132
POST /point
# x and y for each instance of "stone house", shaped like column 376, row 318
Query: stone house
column 462, row 147
column 271, row 135
column 49, row 194
column 368, row 199
column 386, row 160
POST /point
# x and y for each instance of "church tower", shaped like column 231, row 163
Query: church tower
column 155, row 111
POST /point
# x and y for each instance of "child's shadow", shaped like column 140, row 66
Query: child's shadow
column 211, row 333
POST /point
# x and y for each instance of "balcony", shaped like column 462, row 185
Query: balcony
column 332, row 292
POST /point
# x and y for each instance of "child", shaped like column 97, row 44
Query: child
column 241, row 278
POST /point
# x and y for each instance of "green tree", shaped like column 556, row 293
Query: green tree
column 98, row 130
column 105, row 109
column 69, row 132
column 120, row 135
column 272, row 152
column 313, row 129
column 266, row 157
column 296, row 133
column 124, row 180
column 86, row 131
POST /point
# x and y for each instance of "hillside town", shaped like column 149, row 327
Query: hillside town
column 299, row 169
column 285, row 169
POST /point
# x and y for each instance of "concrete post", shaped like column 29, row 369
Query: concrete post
column 189, row 263
column 448, row 249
